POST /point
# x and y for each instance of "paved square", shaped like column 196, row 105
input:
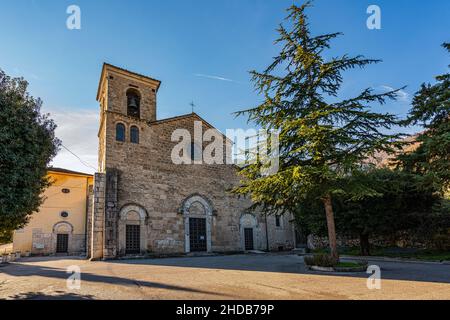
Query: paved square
column 264, row 276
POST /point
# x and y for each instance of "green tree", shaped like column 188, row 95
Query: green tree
column 402, row 202
column 431, row 108
column 323, row 139
column 27, row 144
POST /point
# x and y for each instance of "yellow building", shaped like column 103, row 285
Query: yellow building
column 60, row 225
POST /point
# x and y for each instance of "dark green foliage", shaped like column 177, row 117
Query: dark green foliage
column 6, row 236
column 431, row 108
column 323, row 139
column 27, row 144
column 321, row 260
column 401, row 202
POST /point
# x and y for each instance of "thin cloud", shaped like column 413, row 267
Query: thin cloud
column 402, row 95
column 34, row 76
column 17, row 72
column 77, row 128
column 207, row 76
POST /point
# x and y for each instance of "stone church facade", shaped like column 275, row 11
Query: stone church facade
column 143, row 203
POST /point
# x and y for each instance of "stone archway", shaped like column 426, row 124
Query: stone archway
column 62, row 238
column 133, row 217
column 197, row 213
column 248, row 232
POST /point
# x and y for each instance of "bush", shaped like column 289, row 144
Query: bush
column 321, row 260
column 441, row 242
column 6, row 236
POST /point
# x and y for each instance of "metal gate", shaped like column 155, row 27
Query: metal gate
column 248, row 237
column 62, row 243
column 197, row 234
column 133, row 239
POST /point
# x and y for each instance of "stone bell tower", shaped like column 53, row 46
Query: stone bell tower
column 125, row 97
column 127, row 105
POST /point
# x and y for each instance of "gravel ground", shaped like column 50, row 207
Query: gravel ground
column 253, row 276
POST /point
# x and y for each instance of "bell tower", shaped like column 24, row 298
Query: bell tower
column 128, row 93
column 127, row 103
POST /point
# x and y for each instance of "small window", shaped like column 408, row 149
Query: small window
column 120, row 132
column 134, row 134
column 277, row 221
column 133, row 103
column 195, row 152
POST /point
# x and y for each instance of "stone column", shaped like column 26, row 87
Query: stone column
column 111, row 215
column 97, row 218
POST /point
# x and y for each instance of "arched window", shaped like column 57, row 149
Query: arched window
column 120, row 132
column 134, row 134
column 133, row 103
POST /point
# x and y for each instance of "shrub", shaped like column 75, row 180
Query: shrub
column 321, row 260
column 441, row 242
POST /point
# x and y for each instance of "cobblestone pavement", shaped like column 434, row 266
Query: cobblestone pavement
column 255, row 276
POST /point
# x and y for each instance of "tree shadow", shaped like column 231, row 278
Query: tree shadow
column 60, row 295
column 407, row 271
column 18, row 269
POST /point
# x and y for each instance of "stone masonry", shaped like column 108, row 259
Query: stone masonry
column 139, row 185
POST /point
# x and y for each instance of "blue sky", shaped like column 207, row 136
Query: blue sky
column 202, row 51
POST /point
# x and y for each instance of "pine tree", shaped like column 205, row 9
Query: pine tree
column 322, row 139
column 431, row 108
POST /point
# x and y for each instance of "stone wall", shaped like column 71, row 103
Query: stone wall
column 111, row 214
column 282, row 237
column 45, row 243
column 147, row 176
column 116, row 87
column 402, row 240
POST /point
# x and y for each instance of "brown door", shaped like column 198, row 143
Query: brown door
column 62, row 243
column 248, row 237
column 197, row 234
column 133, row 239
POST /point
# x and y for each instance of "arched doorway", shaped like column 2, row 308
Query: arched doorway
column 132, row 230
column 248, row 225
column 62, row 238
column 197, row 212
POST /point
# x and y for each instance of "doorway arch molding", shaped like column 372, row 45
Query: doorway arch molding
column 198, row 202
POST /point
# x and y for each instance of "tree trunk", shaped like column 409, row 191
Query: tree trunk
column 331, row 227
column 364, row 244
